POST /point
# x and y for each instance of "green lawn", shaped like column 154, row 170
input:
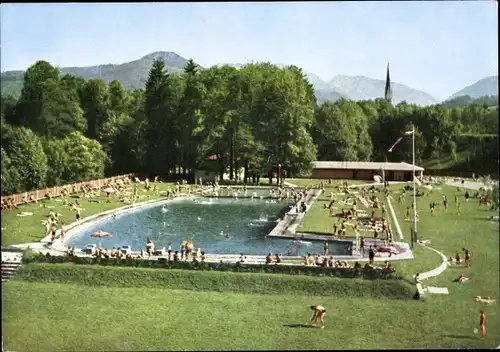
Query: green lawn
column 17, row 230
column 77, row 317
column 317, row 218
column 82, row 318
column 448, row 232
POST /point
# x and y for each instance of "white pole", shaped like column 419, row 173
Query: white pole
column 414, row 188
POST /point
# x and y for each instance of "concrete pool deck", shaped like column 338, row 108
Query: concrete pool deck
column 287, row 227
column 217, row 258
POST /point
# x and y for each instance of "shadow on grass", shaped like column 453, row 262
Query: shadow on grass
column 298, row 326
column 460, row 337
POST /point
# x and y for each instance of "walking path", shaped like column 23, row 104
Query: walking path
column 436, row 271
column 442, row 267
column 228, row 258
column 394, row 218
column 475, row 185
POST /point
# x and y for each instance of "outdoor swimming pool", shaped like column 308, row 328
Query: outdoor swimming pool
column 201, row 219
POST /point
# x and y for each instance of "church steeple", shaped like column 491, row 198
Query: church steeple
column 388, row 89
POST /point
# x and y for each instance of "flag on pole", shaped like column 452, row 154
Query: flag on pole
column 399, row 140
column 392, row 147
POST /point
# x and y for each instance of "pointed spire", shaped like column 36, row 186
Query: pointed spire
column 388, row 89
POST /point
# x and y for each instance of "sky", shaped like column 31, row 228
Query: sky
column 437, row 46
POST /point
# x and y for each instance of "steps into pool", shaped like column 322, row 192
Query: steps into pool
column 11, row 261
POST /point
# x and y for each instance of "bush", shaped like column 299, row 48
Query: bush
column 28, row 255
column 369, row 274
column 259, row 283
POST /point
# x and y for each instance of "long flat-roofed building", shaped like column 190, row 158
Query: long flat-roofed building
column 364, row 170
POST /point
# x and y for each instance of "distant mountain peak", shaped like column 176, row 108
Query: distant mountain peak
column 483, row 87
column 134, row 73
column 165, row 55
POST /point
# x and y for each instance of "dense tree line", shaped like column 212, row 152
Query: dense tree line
column 66, row 129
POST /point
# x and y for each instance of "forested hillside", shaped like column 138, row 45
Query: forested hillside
column 66, row 129
column 464, row 100
column 487, row 86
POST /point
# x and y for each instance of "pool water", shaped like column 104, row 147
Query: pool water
column 201, row 219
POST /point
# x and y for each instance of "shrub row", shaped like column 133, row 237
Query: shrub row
column 260, row 283
column 369, row 274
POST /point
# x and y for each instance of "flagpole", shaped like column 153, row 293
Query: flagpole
column 414, row 230
column 414, row 222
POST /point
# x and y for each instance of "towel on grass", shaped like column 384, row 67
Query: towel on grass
column 438, row 290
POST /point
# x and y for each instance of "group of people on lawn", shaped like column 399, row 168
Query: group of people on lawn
column 325, row 262
column 186, row 252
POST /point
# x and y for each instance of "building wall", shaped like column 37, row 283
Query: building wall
column 400, row 176
column 335, row 174
column 365, row 174
column 362, row 174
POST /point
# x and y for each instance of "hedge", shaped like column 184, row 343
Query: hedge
column 256, row 283
column 365, row 273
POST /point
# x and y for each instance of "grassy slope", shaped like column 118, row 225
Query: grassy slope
column 207, row 280
column 16, row 229
column 449, row 233
column 74, row 317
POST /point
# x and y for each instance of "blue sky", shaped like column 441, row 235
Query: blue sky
column 438, row 47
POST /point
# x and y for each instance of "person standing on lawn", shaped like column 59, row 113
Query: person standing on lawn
column 319, row 314
column 362, row 246
column 371, row 255
column 467, row 257
column 482, row 324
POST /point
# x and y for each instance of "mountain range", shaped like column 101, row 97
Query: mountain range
column 134, row 74
column 483, row 87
